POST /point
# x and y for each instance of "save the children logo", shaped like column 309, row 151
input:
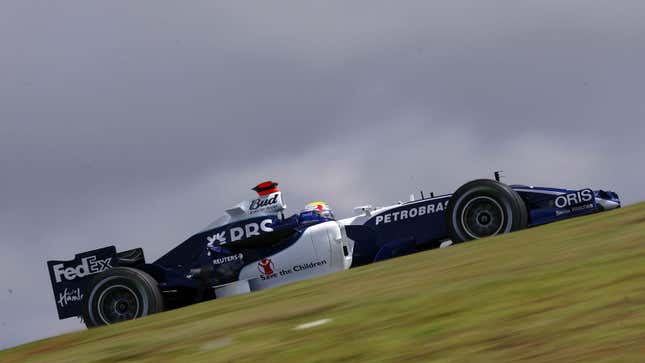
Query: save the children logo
column 266, row 266
column 268, row 270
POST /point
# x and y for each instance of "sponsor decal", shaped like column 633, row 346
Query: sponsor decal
column 68, row 278
column 268, row 203
column 308, row 266
column 69, row 296
column 227, row 259
column 575, row 198
column 264, row 202
column 578, row 208
column 268, row 271
column 219, row 237
column 266, row 266
column 89, row 266
column 240, row 232
column 410, row 213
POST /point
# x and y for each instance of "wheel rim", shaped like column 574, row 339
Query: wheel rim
column 482, row 217
column 118, row 303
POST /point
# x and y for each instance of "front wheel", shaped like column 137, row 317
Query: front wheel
column 120, row 294
column 484, row 208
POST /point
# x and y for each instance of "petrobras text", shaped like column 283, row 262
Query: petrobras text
column 241, row 232
column 575, row 198
column 89, row 266
column 412, row 212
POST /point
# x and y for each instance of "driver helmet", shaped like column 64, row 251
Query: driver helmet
column 317, row 211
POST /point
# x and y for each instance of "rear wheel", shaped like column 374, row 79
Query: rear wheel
column 120, row 294
column 484, row 208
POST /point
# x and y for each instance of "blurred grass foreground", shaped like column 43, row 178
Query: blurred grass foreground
column 572, row 291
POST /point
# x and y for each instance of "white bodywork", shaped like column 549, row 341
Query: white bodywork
column 270, row 204
column 322, row 249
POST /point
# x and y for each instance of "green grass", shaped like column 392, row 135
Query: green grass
column 572, row 291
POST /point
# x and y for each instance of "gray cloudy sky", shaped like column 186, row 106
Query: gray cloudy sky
column 137, row 123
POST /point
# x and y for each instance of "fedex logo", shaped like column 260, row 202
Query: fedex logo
column 241, row 232
column 89, row 266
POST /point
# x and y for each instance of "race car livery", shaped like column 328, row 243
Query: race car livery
column 255, row 247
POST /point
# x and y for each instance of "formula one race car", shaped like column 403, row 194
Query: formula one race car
column 254, row 247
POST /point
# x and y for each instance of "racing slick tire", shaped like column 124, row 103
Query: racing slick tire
column 119, row 294
column 483, row 208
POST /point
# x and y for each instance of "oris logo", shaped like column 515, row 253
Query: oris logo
column 579, row 197
column 89, row 266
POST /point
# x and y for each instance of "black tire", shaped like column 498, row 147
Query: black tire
column 484, row 208
column 119, row 294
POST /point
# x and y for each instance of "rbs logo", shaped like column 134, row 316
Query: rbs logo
column 237, row 233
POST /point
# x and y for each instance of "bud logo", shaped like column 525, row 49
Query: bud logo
column 266, row 266
column 251, row 229
column 89, row 266
column 268, row 203
column 579, row 197
column 246, row 231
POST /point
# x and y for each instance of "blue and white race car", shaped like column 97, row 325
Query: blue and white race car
column 255, row 247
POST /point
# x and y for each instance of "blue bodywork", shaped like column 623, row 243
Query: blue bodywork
column 541, row 203
column 209, row 259
column 176, row 268
column 399, row 231
column 190, row 266
column 422, row 224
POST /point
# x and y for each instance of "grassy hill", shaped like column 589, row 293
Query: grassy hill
column 572, row 291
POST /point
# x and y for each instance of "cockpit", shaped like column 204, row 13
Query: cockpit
column 316, row 212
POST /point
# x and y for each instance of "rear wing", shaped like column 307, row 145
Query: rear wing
column 69, row 278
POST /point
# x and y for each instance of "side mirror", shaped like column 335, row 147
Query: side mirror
column 363, row 210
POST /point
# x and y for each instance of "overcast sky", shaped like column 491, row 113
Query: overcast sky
column 138, row 123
